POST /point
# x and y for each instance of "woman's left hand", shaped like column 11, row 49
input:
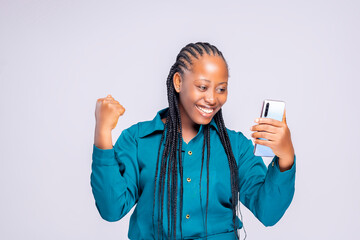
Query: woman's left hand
column 279, row 138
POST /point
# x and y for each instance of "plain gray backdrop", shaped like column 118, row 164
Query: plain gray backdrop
column 58, row 57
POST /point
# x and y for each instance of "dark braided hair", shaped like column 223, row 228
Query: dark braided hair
column 174, row 137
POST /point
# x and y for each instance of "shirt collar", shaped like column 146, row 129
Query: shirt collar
column 156, row 124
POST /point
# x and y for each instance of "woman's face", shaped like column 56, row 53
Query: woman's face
column 203, row 90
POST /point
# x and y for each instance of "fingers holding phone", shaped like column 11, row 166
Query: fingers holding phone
column 269, row 128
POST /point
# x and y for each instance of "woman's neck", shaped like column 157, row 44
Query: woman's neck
column 189, row 128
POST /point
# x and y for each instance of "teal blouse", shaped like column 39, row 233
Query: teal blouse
column 124, row 176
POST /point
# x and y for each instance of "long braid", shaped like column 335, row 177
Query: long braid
column 181, row 171
column 232, row 163
column 163, row 164
column 174, row 174
column 173, row 118
column 173, row 137
column 207, row 171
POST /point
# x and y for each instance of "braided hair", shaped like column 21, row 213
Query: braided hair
column 174, row 137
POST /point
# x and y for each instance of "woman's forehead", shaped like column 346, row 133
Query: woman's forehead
column 210, row 68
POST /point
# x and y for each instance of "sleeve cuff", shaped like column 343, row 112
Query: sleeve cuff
column 278, row 177
column 103, row 156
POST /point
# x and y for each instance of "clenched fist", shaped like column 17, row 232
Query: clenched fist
column 107, row 113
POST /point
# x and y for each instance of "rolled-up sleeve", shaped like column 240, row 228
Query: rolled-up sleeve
column 265, row 191
column 114, row 177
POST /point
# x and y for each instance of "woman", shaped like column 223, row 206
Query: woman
column 143, row 166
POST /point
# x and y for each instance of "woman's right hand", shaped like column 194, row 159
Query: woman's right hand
column 107, row 113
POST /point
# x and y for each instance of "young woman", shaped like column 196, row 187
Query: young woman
column 169, row 186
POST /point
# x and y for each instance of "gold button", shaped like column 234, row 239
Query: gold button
column 187, row 216
column 190, row 153
column 272, row 164
column 188, row 179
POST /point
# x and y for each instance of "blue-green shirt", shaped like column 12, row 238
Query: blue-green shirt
column 124, row 176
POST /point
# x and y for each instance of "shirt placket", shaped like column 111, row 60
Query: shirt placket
column 191, row 177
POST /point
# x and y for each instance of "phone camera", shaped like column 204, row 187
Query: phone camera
column 266, row 110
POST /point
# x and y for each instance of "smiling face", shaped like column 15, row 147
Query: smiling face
column 202, row 91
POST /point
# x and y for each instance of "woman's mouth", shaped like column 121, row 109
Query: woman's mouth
column 206, row 112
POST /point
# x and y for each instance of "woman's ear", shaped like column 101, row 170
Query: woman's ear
column 177, row 82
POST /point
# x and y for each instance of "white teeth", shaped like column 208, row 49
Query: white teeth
column 205, row 110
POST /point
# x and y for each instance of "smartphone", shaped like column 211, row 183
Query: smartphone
column 270, row 109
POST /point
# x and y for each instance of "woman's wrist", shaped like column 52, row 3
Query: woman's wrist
column 103, row 138
column 285, row 163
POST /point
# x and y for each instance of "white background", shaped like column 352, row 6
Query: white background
column 58, row 57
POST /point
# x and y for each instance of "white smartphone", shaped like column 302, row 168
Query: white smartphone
column 270, row 109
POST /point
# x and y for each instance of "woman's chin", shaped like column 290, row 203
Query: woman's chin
column 203, row 121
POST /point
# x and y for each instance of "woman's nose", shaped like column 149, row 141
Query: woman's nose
column 210, row 97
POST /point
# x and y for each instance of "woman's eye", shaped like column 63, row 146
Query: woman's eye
column 204, row 88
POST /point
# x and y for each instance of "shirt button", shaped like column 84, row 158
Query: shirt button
column 188, row 179
column 190, row 153
column 272, row 164
column 187, row 216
